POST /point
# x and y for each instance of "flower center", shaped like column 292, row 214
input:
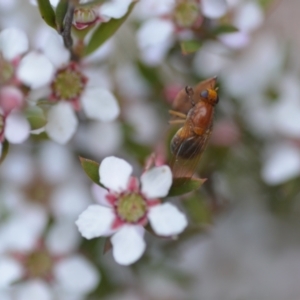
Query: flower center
column 6, row 70
column 68, row 83
column 84, row 17
column 131, row 207
column 38, row 191
column 38, row 264
column 186, row 13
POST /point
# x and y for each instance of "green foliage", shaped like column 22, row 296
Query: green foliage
column 181, row 186
column 5, row 148
column 91, row 168
column 224, row 28
column 47, row 12
column 105, row 31
column 60, row 13
column 36, row 117
column 188, row 47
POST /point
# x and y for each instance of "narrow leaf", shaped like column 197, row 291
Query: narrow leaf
column 225, row 28
column 36, row 117
column 188, row 47
column 5, row 148
column 60, row 12
column 182, row 186
column 47, row 12
column 91, row 168
column 106, row 31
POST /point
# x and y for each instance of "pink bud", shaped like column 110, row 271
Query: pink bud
column 10, row 98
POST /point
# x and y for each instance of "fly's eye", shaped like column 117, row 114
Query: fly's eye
column 204, row 94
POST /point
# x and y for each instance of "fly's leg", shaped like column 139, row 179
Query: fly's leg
column 177, row 114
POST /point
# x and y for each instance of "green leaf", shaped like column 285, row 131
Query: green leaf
column 91, row 168
column 60, row 12
column 47, row 12
column 188, row 47
column 184, row 185
column 5, row 148
column 224, row 28
column 198, row 209
column 36, row 117
column 106, row 31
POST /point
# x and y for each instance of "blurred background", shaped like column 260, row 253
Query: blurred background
column 243, row 240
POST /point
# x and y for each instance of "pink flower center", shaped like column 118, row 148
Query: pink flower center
column 68, row 84
column 131, row 207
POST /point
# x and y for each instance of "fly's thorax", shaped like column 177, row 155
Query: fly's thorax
column 201, row 116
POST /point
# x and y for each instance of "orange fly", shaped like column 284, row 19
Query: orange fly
column 195, row 110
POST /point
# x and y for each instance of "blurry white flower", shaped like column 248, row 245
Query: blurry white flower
column 281, row 163
column 13, row 125
column 48, row 271
column 214, row 8
column 69, row 86
column 171, row 20
column 114, row 8
column 125, row 208
column 13, row 43
column 247, row 17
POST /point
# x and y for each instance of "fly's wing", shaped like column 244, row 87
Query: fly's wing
column 187, row 153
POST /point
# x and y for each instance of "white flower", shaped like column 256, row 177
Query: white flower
column 53, row 68
column 70, row 273
column 13, row 43
column 13, row 125
column 281, row 163
column 125, row 208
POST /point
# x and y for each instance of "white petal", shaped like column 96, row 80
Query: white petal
column 213, row 8
column 102, row 139
column 128, row 244
column 63, row 238
column 281, row 164
column 235, row 40
column 152, row 8
column 100, row 104
column 95, row 221
column 114, row 173
column 114, row 8
column 249, row 16
column 75, row 274
column 69, row 200
column 55, row 162
column 99, row 194
column 154, row 32
column 22, row 230
column 13, row 42
column 62, row 122
column 17, row 128
column 35, row 70
column 167, row 220
column 156, row 182
column 52, row 46
column 34, row 289
column 10, row 271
